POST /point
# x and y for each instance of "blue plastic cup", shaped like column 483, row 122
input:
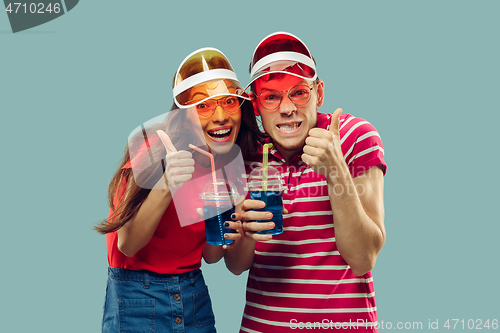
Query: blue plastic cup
column 265, row 184
column 218, row 204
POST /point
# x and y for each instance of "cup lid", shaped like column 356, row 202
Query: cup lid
column 264, row 176
column 220, row 190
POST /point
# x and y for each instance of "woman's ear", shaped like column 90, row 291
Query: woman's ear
column 254, row 103
column 320, row 88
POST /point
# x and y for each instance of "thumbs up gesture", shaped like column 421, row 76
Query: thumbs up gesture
column 179, row 164
column 322, row 149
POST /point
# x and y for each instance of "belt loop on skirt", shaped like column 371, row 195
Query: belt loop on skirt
column 191, row 276
column 145, row 282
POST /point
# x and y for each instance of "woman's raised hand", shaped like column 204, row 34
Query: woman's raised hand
column 179, row 164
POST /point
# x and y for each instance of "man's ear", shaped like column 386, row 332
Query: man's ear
column 320, row 88
column 254, row 103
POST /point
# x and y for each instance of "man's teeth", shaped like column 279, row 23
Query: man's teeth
column 289, row 127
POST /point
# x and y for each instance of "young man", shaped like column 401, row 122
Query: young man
column 317, row 274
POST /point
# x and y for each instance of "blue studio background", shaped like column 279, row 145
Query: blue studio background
column 425, row 73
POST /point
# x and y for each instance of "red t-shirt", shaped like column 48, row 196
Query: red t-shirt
column 174, row 248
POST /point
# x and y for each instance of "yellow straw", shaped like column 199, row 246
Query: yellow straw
column 264, row 165
column 214, row 175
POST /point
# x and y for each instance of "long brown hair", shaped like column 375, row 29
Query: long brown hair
column 125, row 196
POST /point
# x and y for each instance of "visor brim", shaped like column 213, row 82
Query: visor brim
column 262, row 74
column 209, row 90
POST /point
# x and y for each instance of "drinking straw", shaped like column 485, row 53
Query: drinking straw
column 264, row 165
column 214, row 175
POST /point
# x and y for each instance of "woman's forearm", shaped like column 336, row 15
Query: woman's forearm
column 239, row 256
column 137, row 232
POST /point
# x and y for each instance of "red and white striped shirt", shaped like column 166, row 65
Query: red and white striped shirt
column 299, row 279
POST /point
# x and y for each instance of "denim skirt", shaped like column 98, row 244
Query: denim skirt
column 143, row 301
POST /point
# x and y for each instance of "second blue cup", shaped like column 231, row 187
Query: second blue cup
column 265, row 184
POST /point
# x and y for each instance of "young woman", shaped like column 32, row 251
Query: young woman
column 155, row 250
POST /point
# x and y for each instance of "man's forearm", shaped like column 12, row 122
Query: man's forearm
column 359, row 231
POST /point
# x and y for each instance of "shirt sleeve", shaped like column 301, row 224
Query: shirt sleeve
column 361, row 145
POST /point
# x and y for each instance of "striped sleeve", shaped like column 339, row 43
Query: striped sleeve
column 361, row 145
